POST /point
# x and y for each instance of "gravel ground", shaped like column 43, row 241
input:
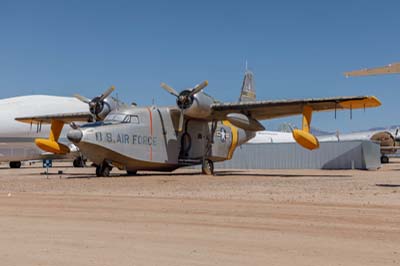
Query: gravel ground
column 237, row 217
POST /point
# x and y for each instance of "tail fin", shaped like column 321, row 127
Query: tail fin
column 248, row 92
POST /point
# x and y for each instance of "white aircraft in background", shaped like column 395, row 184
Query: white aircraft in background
column 17, row 140
column 386, row 138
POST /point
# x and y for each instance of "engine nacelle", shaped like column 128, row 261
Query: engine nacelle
column 103, row 108
column 200, row 106
column 244, row 122
column 385, row 139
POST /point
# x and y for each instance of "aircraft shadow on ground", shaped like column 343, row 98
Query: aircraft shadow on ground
column 276, row 175
column 72, row 176
column 388, row 185
column 217, row 173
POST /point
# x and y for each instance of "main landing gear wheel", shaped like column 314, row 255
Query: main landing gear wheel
column 131, row 172
column 207, row 168
column 15, row 164
column 103, row 170
column 384, row 159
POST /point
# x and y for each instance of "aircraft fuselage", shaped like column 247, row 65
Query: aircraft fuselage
column 147, row 138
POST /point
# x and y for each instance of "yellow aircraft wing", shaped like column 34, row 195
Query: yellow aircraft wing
column 261, row 110
column 57, row 122
column 389, row 69
column 248, row 113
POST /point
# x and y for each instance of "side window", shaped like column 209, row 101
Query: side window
column 134, row 119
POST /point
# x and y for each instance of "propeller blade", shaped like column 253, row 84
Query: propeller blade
column 169, row 89
column 82, row 98
column 107, row 93
column 180, row 127
column 199, row 87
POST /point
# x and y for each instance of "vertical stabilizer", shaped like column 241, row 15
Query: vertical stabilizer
column 248, row 92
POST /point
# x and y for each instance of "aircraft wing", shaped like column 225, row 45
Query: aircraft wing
column 65, row 117
column 261, row 110
column 389, row 69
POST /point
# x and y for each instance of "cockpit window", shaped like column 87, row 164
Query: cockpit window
column 122, row 118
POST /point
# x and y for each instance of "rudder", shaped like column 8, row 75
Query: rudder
column 248, row 92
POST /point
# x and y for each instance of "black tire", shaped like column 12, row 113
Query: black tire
column 16, row 164
column 207, row 167
column 106, row 171
column 131, row 172
column 79, row 162
column 103, row 170
column 384, row 159
column 98, row 170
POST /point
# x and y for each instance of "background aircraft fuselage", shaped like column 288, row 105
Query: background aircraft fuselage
column 17, row 140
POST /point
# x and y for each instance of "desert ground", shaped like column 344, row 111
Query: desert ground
column 237, row 217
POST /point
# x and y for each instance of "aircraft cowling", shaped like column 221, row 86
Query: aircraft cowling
column 200, row 106
column 103, row 108
column 385, row 139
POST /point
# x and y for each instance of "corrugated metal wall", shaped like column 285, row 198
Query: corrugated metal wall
column 330, row 155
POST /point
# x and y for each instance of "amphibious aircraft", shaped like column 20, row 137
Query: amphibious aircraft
column 198, row 130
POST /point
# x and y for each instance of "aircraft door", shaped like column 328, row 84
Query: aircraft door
column 194, row 140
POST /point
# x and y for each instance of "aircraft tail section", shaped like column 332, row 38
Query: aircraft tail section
column 248, row 92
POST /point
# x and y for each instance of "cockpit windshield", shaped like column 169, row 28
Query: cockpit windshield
column 122, row 118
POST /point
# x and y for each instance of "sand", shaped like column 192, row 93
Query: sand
column 268, row 217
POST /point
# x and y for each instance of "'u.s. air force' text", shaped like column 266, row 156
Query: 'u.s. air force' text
column 125, row 138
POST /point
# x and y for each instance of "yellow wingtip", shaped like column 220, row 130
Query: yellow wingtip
column 367, row 102
column 374, row 101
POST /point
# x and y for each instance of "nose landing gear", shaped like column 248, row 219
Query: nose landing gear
column 79, row 162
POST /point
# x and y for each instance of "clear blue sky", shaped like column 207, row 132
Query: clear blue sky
column 296, row 49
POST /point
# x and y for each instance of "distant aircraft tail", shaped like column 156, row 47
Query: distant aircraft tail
column 248, row 92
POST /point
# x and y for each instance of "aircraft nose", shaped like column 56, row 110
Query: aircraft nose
column 75, row 135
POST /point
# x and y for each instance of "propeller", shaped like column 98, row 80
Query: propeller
column 396, row 135
column 184, row 99
column 97, row 103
